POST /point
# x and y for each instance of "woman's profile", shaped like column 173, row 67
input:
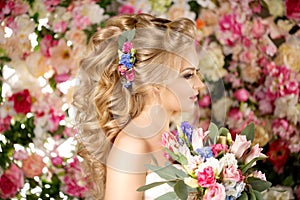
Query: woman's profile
column 140, row 71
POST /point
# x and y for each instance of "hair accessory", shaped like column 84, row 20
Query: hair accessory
column 127, row 57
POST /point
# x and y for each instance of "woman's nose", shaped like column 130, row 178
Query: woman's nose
column 198, row 84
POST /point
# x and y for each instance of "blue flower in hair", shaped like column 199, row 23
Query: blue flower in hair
column 125, row 60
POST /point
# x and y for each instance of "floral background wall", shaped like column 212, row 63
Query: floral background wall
column 251, row 65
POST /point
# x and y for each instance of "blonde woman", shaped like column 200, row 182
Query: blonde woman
column 141, row 70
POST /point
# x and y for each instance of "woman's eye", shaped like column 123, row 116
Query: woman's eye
column 188, row 76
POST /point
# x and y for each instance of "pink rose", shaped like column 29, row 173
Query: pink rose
column 57, row 161
column 235, row 114
column 204, row 101
column 241, row 95
column 215, row 192
column 126, row 9
column 33, row 165
column 5, row 123
column 22, row 101
column 240, row 145
column 232, row 174
column 60, row 27
column 46, row 43
column 265, row 106
column 206, row 177
column 11, row 181
column 254, row 153
column 217, row 148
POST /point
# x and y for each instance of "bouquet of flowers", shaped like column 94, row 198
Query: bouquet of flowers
column 211, row 165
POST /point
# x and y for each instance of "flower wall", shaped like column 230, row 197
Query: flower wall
column 249, row 61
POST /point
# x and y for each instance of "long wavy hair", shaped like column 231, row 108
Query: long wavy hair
column 103, row 106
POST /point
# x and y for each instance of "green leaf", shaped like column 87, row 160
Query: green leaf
column 213, row 133
column 172, row 154
column 151, row 185
column 258, row 195
column 251, row 195
column 167, row 196
column 244, row 168
column 223, row 131
column 168, row 172
column 243, row 196
column 258, row 184
column 180, row 189
column 249, row 132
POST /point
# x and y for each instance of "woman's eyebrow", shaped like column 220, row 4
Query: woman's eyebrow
column 189, row 68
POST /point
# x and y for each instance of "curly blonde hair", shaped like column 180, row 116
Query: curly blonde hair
column 103, row 106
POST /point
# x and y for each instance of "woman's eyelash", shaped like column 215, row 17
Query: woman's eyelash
column 189, row 75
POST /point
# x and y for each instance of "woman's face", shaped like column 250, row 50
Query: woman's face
column 181, row 93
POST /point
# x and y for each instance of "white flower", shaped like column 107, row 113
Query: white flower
column 7, row 109
column 228, row 160
column 211, row 162
column 193, row 183
column 287, row 107
column 198, row 137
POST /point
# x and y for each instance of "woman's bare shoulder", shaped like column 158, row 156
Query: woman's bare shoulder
column 129, row 143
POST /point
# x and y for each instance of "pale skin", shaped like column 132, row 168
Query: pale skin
column 121, row 183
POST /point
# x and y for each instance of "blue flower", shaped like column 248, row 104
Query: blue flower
column 187, row 129
column 125, row 60
column 205, row 152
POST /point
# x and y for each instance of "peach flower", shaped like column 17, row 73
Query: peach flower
column 33, row 165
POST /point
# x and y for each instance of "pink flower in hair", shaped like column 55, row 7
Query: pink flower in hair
column 127, row 46
column 130, row 75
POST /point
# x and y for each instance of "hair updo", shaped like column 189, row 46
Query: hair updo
column 103, row 105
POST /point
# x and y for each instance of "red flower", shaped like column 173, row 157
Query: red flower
column 11, row 181
column 292, row 9
column 22, row 101
column 278, row 154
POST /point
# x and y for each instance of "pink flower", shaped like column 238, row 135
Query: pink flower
column 20, row 155
column 5, row 123
column 241, row 95
column 55, row 118
column 169, row 141
column 57, row 161
column 11, row 181
column 20, row 7
column 280, row 127
column 60, row 78
column 231, row 173
column 240, row 145
column 60, row 27
column 292, row 9
column 259, row 174
column 75, row 183
column 127, row 46
column 46, row 43
column 206, row 177
column 51, row 4
column 254, row 153
column 215, row 192
column 22, row 101
column 217, row 148
column 265, row 106
column 235, row 114
column 126, row 9
column 130, row 75
column 33, row 165
column 204, row 101
column 258, row 29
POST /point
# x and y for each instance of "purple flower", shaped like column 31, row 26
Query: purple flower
column 187, row 129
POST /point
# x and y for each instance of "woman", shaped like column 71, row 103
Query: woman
column 141, row 71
